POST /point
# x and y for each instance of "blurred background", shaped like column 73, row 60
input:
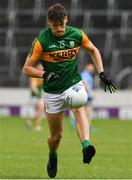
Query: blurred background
column 108, row 24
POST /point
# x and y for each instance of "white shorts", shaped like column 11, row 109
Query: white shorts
column 55, row 103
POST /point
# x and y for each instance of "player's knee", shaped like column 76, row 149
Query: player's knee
column 56, row 138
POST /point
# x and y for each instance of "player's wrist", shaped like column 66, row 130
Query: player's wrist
column 101, row 75
column 45, row 74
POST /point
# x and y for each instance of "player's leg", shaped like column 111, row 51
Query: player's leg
column 83, row 133
column 55, row 122
column 82, row 123
column 89, row 110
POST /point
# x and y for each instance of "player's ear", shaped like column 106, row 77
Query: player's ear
column 66, row 19
column 48, row 22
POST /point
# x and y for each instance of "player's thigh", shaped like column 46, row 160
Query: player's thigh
column 55, row 122
column 89, row 109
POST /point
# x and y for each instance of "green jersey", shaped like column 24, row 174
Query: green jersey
column 58, row 55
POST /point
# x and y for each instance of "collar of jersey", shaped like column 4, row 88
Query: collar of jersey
column 59, row 37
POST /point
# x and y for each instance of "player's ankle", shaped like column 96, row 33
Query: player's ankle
column 85, row 143
column 53, row 154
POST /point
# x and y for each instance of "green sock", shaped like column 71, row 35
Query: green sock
column 53, row 154
column 85, row 143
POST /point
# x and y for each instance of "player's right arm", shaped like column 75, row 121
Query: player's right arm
column 30, row 70
column 33, row 56
column 29, row 66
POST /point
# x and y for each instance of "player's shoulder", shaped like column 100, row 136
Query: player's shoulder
column 75, row 30
column 44, row 33
column 75, row 34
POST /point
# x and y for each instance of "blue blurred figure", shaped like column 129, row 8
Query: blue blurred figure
column 88, row 80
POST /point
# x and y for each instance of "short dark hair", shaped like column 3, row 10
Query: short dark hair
column 57, row 13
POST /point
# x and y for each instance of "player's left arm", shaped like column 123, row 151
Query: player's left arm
column 93, row 51
column 96, row 57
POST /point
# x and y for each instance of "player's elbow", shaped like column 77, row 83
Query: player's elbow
column 25, row 70
column 94, row 51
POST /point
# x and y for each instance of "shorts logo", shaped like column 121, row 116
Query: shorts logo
column 68, row 101
column 72, row 44
column 77, row 87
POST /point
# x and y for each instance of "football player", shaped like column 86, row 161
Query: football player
column 57, row 47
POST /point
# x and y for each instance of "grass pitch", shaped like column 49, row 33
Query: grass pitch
column 23, row 152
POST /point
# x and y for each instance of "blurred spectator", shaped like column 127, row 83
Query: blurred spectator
column 36, row 87
column 88, row 80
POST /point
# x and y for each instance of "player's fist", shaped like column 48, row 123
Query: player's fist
column 51, row 76
column 108, row 83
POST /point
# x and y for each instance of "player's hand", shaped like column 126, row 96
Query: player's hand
column 108, row 83
column 50, row 77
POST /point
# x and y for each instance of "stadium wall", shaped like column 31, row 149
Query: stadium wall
column 14, row 101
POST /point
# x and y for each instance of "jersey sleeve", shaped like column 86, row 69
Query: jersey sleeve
column 36, row 50
column 85, row 41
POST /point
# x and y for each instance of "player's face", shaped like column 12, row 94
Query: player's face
column 58, row 29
